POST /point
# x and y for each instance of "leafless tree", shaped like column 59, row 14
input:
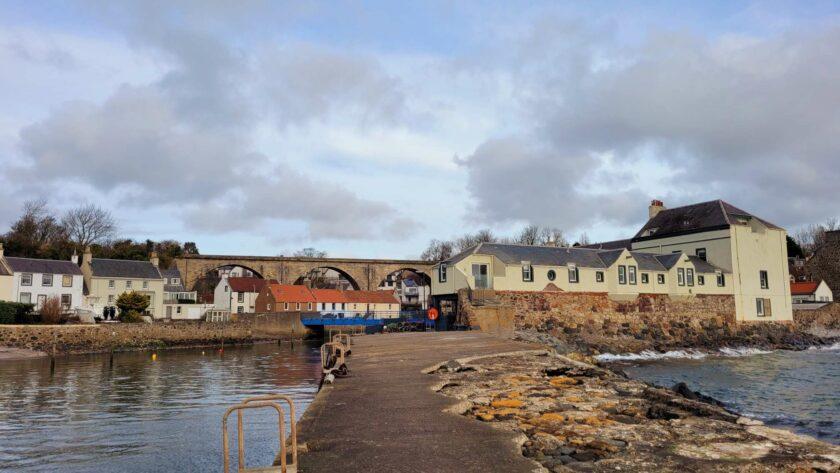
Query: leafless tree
column 310, row 253
column 437, row 250
column 530, row 235
column 88, row 224
column 583, row 239
column 469, row 240
column 552, row 236
column 812, row 236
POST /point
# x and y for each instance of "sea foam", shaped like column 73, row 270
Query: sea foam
column 652, row 355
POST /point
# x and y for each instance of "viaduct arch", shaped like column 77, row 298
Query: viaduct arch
column 366, row 273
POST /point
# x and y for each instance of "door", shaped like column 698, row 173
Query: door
column 42, row 298
column 482, row 280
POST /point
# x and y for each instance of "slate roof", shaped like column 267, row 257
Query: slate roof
column 609, row 256
column 647, row 261
column 669, row 260
column 120, row 268
column 712, row 215
column 46, row 266
column 536, row 255
column 248, row 284
column 609, row 245
column 703, row 266
column 168, row 275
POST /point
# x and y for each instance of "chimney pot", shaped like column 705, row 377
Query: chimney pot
column 656, row 206
column 75, row 258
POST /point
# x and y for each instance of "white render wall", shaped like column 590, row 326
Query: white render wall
column 56, row 290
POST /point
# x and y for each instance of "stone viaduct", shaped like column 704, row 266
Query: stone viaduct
column 364, row 274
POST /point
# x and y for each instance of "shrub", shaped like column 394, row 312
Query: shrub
column 51, row 311
column 131, row 317
column 132, row 302
column 17, row 313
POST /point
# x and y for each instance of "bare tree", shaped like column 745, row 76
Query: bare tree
column 583, row 239
column 812, row 236
column 552, row 236
column 530, row 235
column 469, row 240
column 88, row 224
column 437, row 250
column 310, row 253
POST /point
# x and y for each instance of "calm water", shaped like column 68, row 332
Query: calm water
column 141, row 415
column 799, row 391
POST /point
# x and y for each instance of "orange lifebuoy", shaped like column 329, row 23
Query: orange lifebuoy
column 433, row 314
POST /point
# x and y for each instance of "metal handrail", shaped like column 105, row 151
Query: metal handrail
column 241, row 438
column 292, row 421
column 342, row 338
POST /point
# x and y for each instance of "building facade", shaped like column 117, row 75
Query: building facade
column 710, row 248
column 106, row 279
column 238, row 294
column 33, row 281
column 804, row 292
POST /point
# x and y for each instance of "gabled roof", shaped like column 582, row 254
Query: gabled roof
column 609, row 257
column 120, row 268
column 703, row 266
column 372, row 297
column 705, row 216
column 803, row 288
column 647, row 261
column 329, row 295
column 290, row 293
column 168, row 276
column 248, row 284
column 536, row 255
column 46, row 266
column 668, row 261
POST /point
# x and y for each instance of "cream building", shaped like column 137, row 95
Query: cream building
column 6, row 279
column 33, row 281
column 707, row 248
column 105, row 279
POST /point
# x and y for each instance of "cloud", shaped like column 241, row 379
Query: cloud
column 752, row 120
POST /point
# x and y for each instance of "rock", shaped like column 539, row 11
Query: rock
column 661, row 411
column 146, row 319
column 585, row 456
column 747, row 421
column 507, row 403
column 564, row 381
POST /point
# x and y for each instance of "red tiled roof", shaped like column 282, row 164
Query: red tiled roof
column 290, row 293
column 803, row 288
column 248, row 284
column 372, row 297
column 329, row 295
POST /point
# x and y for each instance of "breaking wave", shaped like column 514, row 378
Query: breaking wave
column 744, row 351
column 834, row 347
column 653, row 355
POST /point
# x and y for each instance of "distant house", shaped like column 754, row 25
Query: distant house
column 276, row 297
column 330, row 300
column 106, row 279
column 381, row 304
column 803, row 292
column 238, row 295
column 33, row 281
column 173, row 287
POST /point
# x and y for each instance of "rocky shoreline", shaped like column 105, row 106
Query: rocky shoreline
column 575, row 416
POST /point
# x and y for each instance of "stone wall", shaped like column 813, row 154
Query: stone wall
column 592, row 322
column 824, row 321
column 247, row 328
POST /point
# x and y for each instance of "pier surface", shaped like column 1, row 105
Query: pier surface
column 386, row 417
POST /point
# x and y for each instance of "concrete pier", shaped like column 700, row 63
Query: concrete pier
column 387, row 418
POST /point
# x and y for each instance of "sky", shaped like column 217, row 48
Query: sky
column 366, row 129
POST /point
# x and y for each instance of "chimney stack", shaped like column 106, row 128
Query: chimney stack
column 656, row 206
column 75, row 258
column 87, row 258
column 154, row 259
column 1, row 250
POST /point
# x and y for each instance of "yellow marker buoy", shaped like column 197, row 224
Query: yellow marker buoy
column 154, row 356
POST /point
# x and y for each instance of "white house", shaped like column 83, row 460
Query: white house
column 36, row 280
column 803, row 292
column 238, row 295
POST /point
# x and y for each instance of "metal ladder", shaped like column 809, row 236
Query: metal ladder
column 256, row 402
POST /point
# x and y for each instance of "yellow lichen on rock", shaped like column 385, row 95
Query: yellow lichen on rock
column 507, row 403
column 563, row 381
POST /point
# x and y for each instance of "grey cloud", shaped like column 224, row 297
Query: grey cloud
column 750, row 120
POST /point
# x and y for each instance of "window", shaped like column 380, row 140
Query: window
column 268, row 307
column 701, row 253
column 701, row 280
column 178, row 309
column 632, row 273
column 26, row 279
column 67, row 280
column 551, row 275
column 442, row 273
column 111, row 299
column 66, row 301
column 240, row 297
column 226, row 289
column 309, row 307
column 574, row 274
column 527, row 273
column 111, row 284
column 660, row 278
column 285, row 306
column 298, row 306
column 479, row 272
column 645, row 278
column 176, row 281
column 689, row 275
column 599, row 276
column 765, row 282
column 681, row 276
column 47, row 280
column 721, row 279
column 240, row 309
column 622, row 274
column 26, row 297
column 762, row 308
column 128, row 284
column 145, row 284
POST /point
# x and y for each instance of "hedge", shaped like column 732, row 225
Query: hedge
column 17, row 313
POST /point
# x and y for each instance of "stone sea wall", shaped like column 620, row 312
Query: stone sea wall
column 824, row 321
column 592, row 322
column 246, row 329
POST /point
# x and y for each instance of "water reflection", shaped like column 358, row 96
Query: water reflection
column 144, row 415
